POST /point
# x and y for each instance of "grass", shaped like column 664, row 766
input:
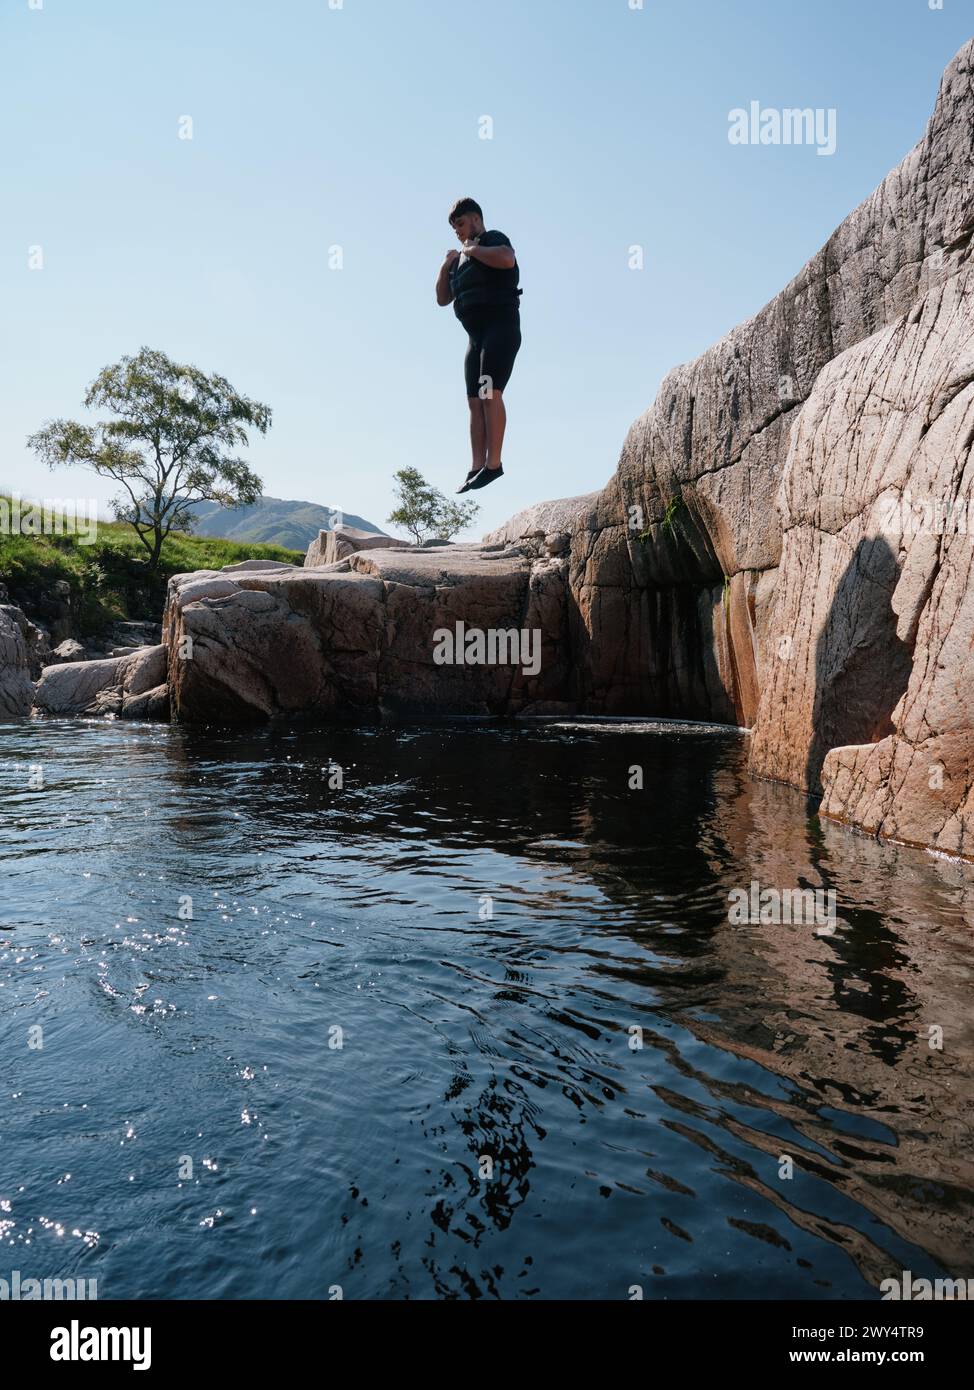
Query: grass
column 670, row 522
column 109, row 578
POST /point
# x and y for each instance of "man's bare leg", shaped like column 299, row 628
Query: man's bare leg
column 478, row 433
column 496, row 417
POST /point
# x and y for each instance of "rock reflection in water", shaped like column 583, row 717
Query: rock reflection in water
column 494, row 919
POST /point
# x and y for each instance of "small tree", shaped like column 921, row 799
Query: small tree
column 426, row 513
column 168, row 448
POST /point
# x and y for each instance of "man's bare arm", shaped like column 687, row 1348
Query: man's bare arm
column 497, row 257
column 444, row 294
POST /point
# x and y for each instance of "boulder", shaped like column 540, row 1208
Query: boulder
column 149, row 704
column 16, row 686
column 358, row 640
column 36, row 637
column 136, row 632
column 343, row 541
column 550, row 524
column 102, row 687
column 68, row 650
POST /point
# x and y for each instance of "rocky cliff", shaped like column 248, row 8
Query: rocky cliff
column 866, row 670
column 362, row 638
column 786, row 542
column 682, row 557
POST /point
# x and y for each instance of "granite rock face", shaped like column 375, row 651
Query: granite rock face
column 746, row 557
column 129, row 687
column 868, row 693
column 360, row 639
column 548, row 524
column 67, row 651
column 343, row 541
column 36, row 638
column 867, row 679
column 681, row 560
column 16, row 686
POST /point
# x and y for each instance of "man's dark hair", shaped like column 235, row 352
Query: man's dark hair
column 463, row 206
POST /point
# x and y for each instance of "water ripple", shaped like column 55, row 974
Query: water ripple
column 475, row 1024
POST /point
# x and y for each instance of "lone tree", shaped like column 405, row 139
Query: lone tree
column 426, row 513
column 169, row 446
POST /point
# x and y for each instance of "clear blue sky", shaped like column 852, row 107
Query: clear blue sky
column 358, row 127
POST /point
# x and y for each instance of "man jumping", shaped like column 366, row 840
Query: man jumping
column 481, row 284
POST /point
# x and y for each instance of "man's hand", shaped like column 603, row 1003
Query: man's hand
column 494, row 257
column 451, row 256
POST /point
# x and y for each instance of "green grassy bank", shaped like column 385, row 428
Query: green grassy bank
column 109, row 578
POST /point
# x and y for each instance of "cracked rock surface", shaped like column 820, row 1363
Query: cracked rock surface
column 16, row 686
column 745, row 557
column 357, row 639
column 128, row 687
column 868, row 667
column 680, row 561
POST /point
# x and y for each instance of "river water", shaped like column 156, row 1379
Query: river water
column 474, row 1024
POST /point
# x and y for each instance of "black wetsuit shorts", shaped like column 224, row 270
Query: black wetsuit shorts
column 495, row 337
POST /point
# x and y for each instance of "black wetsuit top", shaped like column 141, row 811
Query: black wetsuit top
column 477, row 286
column 487, row 303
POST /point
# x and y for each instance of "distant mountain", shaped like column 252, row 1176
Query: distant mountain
column 274, row 521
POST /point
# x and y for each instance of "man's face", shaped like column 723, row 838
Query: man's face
column 467, row 226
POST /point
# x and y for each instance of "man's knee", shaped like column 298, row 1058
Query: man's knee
column 475, row 403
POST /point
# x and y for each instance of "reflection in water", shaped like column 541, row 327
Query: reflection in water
column 474, row 1025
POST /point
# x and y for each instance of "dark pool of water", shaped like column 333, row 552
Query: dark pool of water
column 486, row 916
